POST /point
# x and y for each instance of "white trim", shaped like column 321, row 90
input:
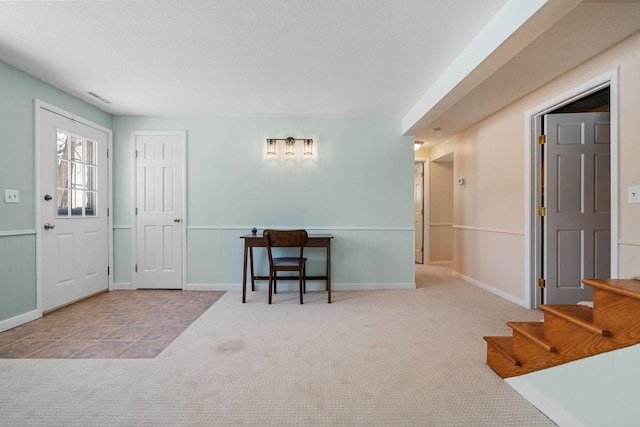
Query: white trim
column 122, row 227
column 319, row 286
column 20, row 319
column 488, row 288
column 441, row 224
column 38, row 107
column 629, row 242
column 308, row 228
column 183, row 223
column 531, row 117
column 122, row 286
column 547, row 406
column 488, row 230
column 11, row 233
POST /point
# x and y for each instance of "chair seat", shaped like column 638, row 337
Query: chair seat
column 287, row 261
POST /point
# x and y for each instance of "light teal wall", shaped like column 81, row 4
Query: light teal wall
column 359, row 188
column 18, row 91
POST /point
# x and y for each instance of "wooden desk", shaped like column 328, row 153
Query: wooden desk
column 256, row 241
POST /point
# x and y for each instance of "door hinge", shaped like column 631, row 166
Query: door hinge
column 107, row 153
column 542, row 139
column 422, row 212
column 108, row 270
column 136, row 268
column 422, row 250
column 136, row 211
column 542, row 283
column 107, row 211
column 542, row 211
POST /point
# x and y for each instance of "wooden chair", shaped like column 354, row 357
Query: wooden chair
column 286, row 238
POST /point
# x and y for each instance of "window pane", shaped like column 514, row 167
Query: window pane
column 90, row 152
column 63, row 202
column 76, row 153
column 63, row 174
column 90, row 205
column 77, row 178
column 76, row 202
column 90, row 178
column 62, row 144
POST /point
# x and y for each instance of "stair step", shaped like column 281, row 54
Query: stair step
column 534, row 331
column 576, row 314
column 627, row 287
column 504, row 345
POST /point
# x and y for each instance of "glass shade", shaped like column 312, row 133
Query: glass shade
column 308, row 147
column 290, row 146
column 271, row 147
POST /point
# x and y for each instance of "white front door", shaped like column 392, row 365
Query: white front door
column 418, row 203
column 577, row 227
column 159, row 209
column 73, row 197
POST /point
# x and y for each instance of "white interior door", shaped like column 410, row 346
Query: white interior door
column 73, row 197
column 159, row 209
column 419, row 211
column 578, row 199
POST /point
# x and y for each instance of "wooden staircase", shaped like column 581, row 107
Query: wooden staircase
column 571, row 332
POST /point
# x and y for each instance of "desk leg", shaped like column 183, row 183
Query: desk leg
column 253, row 280
column 329, row 273
column 244, row 275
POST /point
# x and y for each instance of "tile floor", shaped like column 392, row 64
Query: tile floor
column 117, row 324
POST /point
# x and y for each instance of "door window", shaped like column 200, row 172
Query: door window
column 77, row 172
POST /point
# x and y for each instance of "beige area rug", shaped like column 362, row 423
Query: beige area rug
column 371, row 358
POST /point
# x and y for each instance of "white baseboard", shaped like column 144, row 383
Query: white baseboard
column 488, row 288
column 20, row 319
column 234, row 287
column 122, row 286
column 547, row 406
column 292, row 286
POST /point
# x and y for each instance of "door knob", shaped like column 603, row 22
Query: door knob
column 47, row 197
column 176, row 219
column 48, row 226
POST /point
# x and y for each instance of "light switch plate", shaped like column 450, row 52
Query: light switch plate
column 634, row 195
column 11, row 196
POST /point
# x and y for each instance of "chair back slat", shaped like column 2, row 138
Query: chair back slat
column 285, row 238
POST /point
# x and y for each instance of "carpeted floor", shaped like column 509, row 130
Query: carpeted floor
column 371, row 358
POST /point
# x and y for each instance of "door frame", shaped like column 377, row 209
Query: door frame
column 38, row 107
column 134, row 199
column 426, row 203
column 422, row 164
column 533, row 128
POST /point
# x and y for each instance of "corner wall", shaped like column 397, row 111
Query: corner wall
column 359, row 188
column 489, row 228
column 17, row 233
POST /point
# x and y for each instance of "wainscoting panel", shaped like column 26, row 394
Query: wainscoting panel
column 17, row 273
column 361, row 258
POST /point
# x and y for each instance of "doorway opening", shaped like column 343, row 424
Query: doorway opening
column 572, row 198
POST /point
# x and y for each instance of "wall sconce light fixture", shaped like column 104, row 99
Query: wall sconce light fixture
column 290, row 144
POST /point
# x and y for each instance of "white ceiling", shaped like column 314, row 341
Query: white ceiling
column 281, row 58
